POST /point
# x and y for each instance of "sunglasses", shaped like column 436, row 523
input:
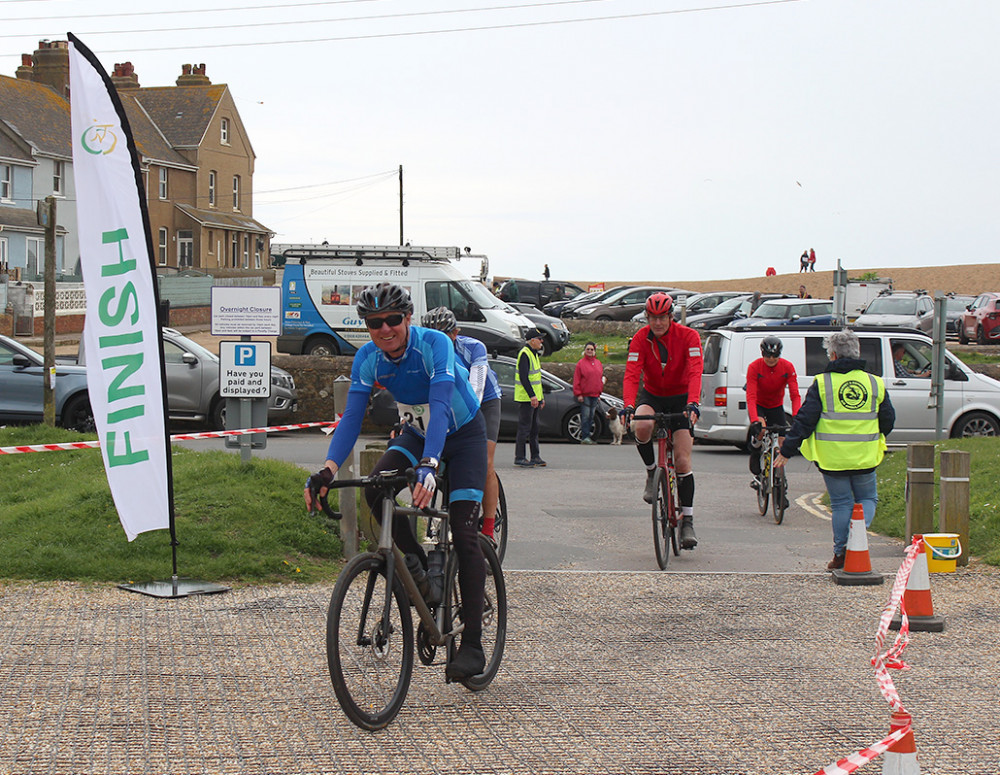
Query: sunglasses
column 377, row 323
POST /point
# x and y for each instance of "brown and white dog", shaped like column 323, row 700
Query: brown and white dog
column 617, row 425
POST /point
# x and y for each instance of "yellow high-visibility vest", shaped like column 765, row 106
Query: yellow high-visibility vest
column 847, row 437
column 534, row 376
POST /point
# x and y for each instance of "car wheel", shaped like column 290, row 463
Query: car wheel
column 78, row 415
column 217, row 415
column 981, row 336
column 571, row 425
column 975, row 424
column 321, row 346
column 603, row 318
column 962, row 338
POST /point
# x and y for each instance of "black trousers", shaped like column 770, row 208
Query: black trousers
column 527, row 430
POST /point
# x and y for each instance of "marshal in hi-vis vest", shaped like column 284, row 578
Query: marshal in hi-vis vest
column 534, row 377
column 847, row 437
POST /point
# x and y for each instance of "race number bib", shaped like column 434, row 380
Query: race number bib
column 416, row 415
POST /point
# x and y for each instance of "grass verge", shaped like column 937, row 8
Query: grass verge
column 234, row 522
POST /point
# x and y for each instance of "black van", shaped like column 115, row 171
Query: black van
column 538, row 293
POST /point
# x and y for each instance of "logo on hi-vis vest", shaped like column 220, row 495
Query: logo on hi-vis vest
column 853, row 394
column 99, row 139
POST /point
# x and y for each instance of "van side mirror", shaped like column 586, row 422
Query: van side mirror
column 955, row 373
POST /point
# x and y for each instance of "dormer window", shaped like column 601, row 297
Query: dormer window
column 224, row 133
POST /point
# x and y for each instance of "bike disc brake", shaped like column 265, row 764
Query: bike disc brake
column 426, row 650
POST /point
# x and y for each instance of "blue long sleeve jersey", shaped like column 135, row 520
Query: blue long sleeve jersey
column 472, row 354
column 431, row 389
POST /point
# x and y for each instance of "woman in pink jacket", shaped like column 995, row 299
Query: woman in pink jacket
column 588, row 384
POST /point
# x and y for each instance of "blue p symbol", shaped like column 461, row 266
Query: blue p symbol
column 246, row 355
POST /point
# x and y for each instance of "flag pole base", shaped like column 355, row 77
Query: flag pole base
column 174, row 587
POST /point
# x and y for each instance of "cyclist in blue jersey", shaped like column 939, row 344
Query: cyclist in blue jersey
column 472, row 354
column 442, row 422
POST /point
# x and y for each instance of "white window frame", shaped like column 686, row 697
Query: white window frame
column 39, row 244
column 4, row 254
column 162, row 247
column 6, row 182
column 163, row 183
column 236, row 193
column 234, row 248
column 246, row 251
column 211, row 188
column 224, row 132
column 58, row 173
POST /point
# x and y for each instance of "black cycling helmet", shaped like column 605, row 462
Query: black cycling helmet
column 441, row 318
column 384, row 297
column 770, row 347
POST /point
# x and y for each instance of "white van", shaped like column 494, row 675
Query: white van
column 971, row 400
column 320, row 285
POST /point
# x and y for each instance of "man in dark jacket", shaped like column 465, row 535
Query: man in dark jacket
column 842, row 426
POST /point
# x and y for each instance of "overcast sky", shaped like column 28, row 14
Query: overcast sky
column 655, row 140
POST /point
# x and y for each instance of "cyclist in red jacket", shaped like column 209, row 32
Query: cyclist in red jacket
column 667, row 356
column 767, row 379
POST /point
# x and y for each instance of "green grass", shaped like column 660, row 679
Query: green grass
column 984, row 495
column 971, row 358
column 616, row 353
column 234, row 522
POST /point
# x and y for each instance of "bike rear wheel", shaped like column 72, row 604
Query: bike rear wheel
column 779, row 495
column 494, row 614
column 662, row 531
column 500, row 523
column 369, row 643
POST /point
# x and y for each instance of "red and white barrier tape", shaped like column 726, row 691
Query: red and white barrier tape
column 175, row 437
column 891, row 658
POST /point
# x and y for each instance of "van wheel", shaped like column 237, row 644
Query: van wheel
column 321, row 346
column 975, row 424
column 547, row 347
column 981, row 336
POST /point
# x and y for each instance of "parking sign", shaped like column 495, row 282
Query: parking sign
column 245, row 369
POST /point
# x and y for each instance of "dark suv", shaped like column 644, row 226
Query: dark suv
column 538, row 293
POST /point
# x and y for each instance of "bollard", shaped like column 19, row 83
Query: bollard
column 919, row 489
column 956, row 466
column 366, row 520
column 348, row 506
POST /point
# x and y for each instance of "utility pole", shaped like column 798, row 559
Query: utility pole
column 47, row 211
column 401, row 205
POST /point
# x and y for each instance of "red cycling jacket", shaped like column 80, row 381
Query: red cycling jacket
column 766, row 386
column 681, row 374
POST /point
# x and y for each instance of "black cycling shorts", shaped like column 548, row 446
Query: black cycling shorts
column 775, row 416
column 671, row 404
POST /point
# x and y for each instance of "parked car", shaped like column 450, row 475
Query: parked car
column 193, row 383
column 955, row 308
column 782, row 312
column 903, row 309
column 555, row 308
column 539, row 293
column 981, row 320
column 621, row 305
column 559, row 419
column 555, row 334
column 731, row 309
column 971, row 400
column 22, row 379
column 596, row 296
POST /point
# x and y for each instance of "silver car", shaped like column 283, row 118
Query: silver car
column 22, row 375
column 900, row 309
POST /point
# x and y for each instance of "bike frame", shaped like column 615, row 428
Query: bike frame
column 665, row 460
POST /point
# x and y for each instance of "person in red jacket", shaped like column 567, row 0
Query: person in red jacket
column 767, row 379
column 588, row 384
column 667, row 357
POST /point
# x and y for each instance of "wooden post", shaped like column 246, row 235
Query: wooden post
column 366, row 520
column 919, row 489
column 348, row 505
column 956, row 466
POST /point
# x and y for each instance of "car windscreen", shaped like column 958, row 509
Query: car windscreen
column 774, row 311
column 959, row 305
column 729, row 305
column 892, row 306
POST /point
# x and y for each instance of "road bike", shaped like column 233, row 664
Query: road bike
column 666, row 505
column 370, row 641
column 772, row 482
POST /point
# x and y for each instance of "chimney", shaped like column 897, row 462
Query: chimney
column 124, row 76
column 193, row 75
column 25, row 72
column 51, row 66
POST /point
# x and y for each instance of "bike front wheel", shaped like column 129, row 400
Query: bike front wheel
column 500, row 523
column 765, row 486
column 663, row 532
column 780, row 495
column 494, row 614
column 369, row 642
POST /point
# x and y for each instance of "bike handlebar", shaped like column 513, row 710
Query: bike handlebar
column 661, row 417
column 388, row 481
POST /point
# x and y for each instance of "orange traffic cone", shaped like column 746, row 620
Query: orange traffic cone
column 917, row 600
column 857, row 570
column 901, row 758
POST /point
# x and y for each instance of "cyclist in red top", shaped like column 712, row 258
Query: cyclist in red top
column 767, row 378
column 667, row 356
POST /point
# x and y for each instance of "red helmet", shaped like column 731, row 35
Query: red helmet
column 659, row 304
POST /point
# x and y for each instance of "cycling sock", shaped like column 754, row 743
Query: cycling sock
column 685, row 491
column 646, row 453
column 488, row 525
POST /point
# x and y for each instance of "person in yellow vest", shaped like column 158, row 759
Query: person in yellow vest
column 530, row 400
column 841, row 427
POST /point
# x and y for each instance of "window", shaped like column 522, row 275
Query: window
column 6, row 183
column 224, row 132
column 234, row 251
column 459, row 297
column 57, row 177
column 817, row 359
column 236, row 192
column 163, row 247
column 211, row 188
column 211, row 242
column 4, row 255
column 36, row 256
column 163, row 182
column 246, row 251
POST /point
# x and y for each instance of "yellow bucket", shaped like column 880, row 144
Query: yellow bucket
column 943, row 551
